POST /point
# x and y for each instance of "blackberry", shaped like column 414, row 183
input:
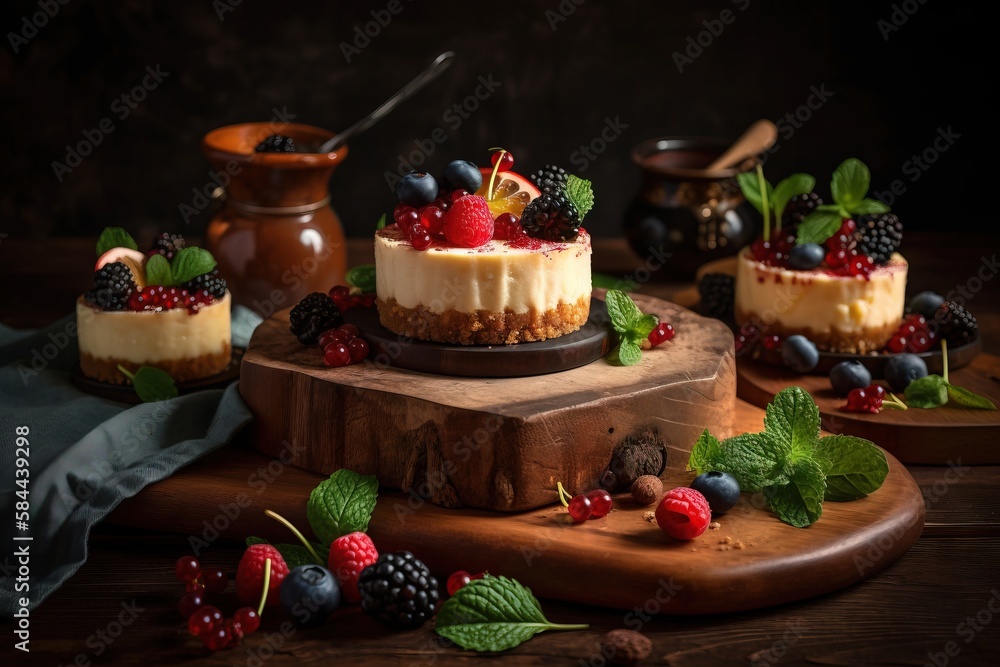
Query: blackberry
column 552, row 217
column 717, row 292
column 398, row 590
column 312, row 316
column 167, row 244
column 551, row 179
column 212, row 283
column 954, row 323
column 878, row 236
column 276, row 143
column 113, row 284
column 799, row 207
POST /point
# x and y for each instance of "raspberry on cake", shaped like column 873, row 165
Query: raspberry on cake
column 470, row 269
column 146, row 310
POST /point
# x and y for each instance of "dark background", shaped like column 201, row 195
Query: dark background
column 606, row 60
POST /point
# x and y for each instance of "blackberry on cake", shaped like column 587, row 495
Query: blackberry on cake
column 551, row 179
column 799, row 207
column 312, row 316
column 167, row 244
column 210, row 282
column 552, row 217
column 878, row 236
column 113, row 284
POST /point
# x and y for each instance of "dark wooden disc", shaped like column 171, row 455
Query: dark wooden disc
column 579, row 348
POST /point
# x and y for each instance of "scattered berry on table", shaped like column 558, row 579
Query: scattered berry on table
column 505, row 159
column 799, row 207
column 113, row 285
column 250, row 575
column 647, row 489
column 417, row 189
column 600, row 503
column 550, row 179
column 865, row 399
column 310, row 593
column 771, row 342
column 954, row 324
column 848, row 375
column 217, row 638
column 462, row 175
column 276, row 143
column 926, row 303
column 187, row 568
column 878, row 236
column 716, row 292
column 349, row 555
column 203, row 620
column 312, row 316
column 551, row 217
column 902, row 369
column 683, row 513
column 661, row 333
column 211, row 282
column 469, row 222
column 806, row 256
column 190, row 603
column 720, row 489
column 248, row 619
column 460, row 578
column 580, row 508
column 358, row 349
column 215, row 580
column 799, row 353
column 167, row 244
column 398, row 590
column 336, row 354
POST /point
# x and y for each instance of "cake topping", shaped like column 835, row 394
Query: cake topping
column 878, row 236
column 552, row 217
column 469, row 222
column 550, row 179
column 167, row 244
column 417, row 189
column 113, row 285
column 462, row 175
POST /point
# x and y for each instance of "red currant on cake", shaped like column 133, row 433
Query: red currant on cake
column 502, row 159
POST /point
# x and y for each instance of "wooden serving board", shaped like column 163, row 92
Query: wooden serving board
column 497, row 443
column 939, row 436
column 751, row 560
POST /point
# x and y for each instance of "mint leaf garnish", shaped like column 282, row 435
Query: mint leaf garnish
column 188, row 263
column 642, row 326
column 755, row 460
column 870, row 207
column 580, row 193
column 800, row 501
column 968, row 399
column 114, row 237
column 493, row 614
column 706, row 453
column 792, row 421
column 930, row 391
column 749, row 184
column 850, row 184
column 158, row 271
column 818, row 226
column 632, row 326
column 796, row 184
column 857, row 467
column 849, row 187
column 341, row 504
column 381, row 223
column 362, row 277
column 295, row 554
column 622, row 310
column 151, row 384
column 628, row 353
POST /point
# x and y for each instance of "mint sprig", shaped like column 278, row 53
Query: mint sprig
column 849, row 189
column 188, row 263
column 795, row 468
column 341, row 504
column 933, row 391
column 362, row 277
column 493, row 614
column 114, row 237
column 770, row 201
column 580, row 193
column 381, row 223
column 151, row 384
column 631, row 324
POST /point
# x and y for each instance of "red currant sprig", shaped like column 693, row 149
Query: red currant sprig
column 343, row 346
column 594, row 504
column 206, row 621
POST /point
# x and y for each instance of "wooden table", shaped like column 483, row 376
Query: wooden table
column 940, row 598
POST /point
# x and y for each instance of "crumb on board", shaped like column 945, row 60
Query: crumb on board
column 726, row 540
column 715, row 525
column 649, row 516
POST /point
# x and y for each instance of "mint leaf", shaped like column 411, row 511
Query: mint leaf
column 800, row 501
column 796, row 184
column 871, row 207
column 791, row 420
column 341, row 504
column 640, row 328
column 818, row 226
column 968, row 399
column 850, row 183
column 857, row 467
column 580, row 193
column 114, row 237
column 158, row 271
column 622, row 310
column 381, row 223
column 295, row 554
column 493, row 614
column 930, row 391
column 754, row 460
column 362, row 277
column 610, row 282
column 750, row 186
column 151, row 384
column 706, row 453
column 188, row 263
column 629, row 354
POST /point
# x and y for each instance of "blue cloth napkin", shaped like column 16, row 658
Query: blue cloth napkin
column 86, row 454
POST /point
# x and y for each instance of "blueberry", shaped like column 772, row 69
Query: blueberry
column 310, row 593
column 806, row 256
column 720, row 489
column 926, row 303
column 462, row 175
column 848, row 375
column 902, row 369
column 800, row 353
column 417, row 189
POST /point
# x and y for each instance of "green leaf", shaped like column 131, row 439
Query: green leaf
column 114, row 237
column 754, row 460
column 628, row 353
column 850, row 183
column 968, row 399
column 341, row 504
column 153, row 384
column 857, row 467
column 158, row 271
column 493, row 614
column 622, row 310
column 188, row 263
column 640, row 328
column 580, row 193
column 870, row 207
column 706, row 453
column 796, row 184
column 362, row 277
column 610, row 282
column 295, row 554
column 800, row 501
column 818, row 226
column 791, row 420
column 930, row 391
column 750, row 185
column 381, row 223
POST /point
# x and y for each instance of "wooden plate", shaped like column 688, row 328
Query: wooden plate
column 579, row 348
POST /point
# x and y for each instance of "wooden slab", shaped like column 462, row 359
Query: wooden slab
column 940, row 436
column 488, row 443
column 620, row 561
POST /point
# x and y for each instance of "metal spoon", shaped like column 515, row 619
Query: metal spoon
column 439, row 65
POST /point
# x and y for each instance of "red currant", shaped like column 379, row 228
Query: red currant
column 217, row 638
column 600, row 503
column 215, row 580
column 837, row 259
column 458, row 579
column 661, row 333
column 190, row 603
column 772, row 342
column 196, row 586
column 505, row 158
column 187, row 568
column 401, row 212
column 235, row 630
column 866, row 399
column 861, row 265
column 351, row 329
column 421, row 240
column 844, row 237
column 761, row 250
column 442, row 202
column 432, row 218
column 248, row 619
column 358, row 349
column 202, row 621
column 458, row 194
column 580, row 508
column 336, row 355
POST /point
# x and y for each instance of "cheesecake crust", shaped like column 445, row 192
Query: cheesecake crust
column 181, row 370
column 483, row 327
column 869, row 340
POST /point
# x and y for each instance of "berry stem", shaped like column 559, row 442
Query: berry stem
column 493, row 176
column 762, row 184
column 564, row 496
column 267, row 584
column 302, row 539
column 125, row 372
column 944, row 359
column 894, row 402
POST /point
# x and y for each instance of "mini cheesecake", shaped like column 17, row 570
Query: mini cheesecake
column 498, row 293
column 853, row 314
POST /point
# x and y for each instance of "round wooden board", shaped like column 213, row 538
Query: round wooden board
column 939, row 436
column 579, row 348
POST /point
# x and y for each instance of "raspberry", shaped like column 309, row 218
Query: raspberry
column 469, row 222
column 684, row 513
column 250, row 575
column 349, row 554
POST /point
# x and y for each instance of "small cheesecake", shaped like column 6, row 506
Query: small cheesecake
column 853, row 314
column 186, row 343
column 495, row 294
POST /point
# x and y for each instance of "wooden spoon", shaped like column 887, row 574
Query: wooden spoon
column 758, row 138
